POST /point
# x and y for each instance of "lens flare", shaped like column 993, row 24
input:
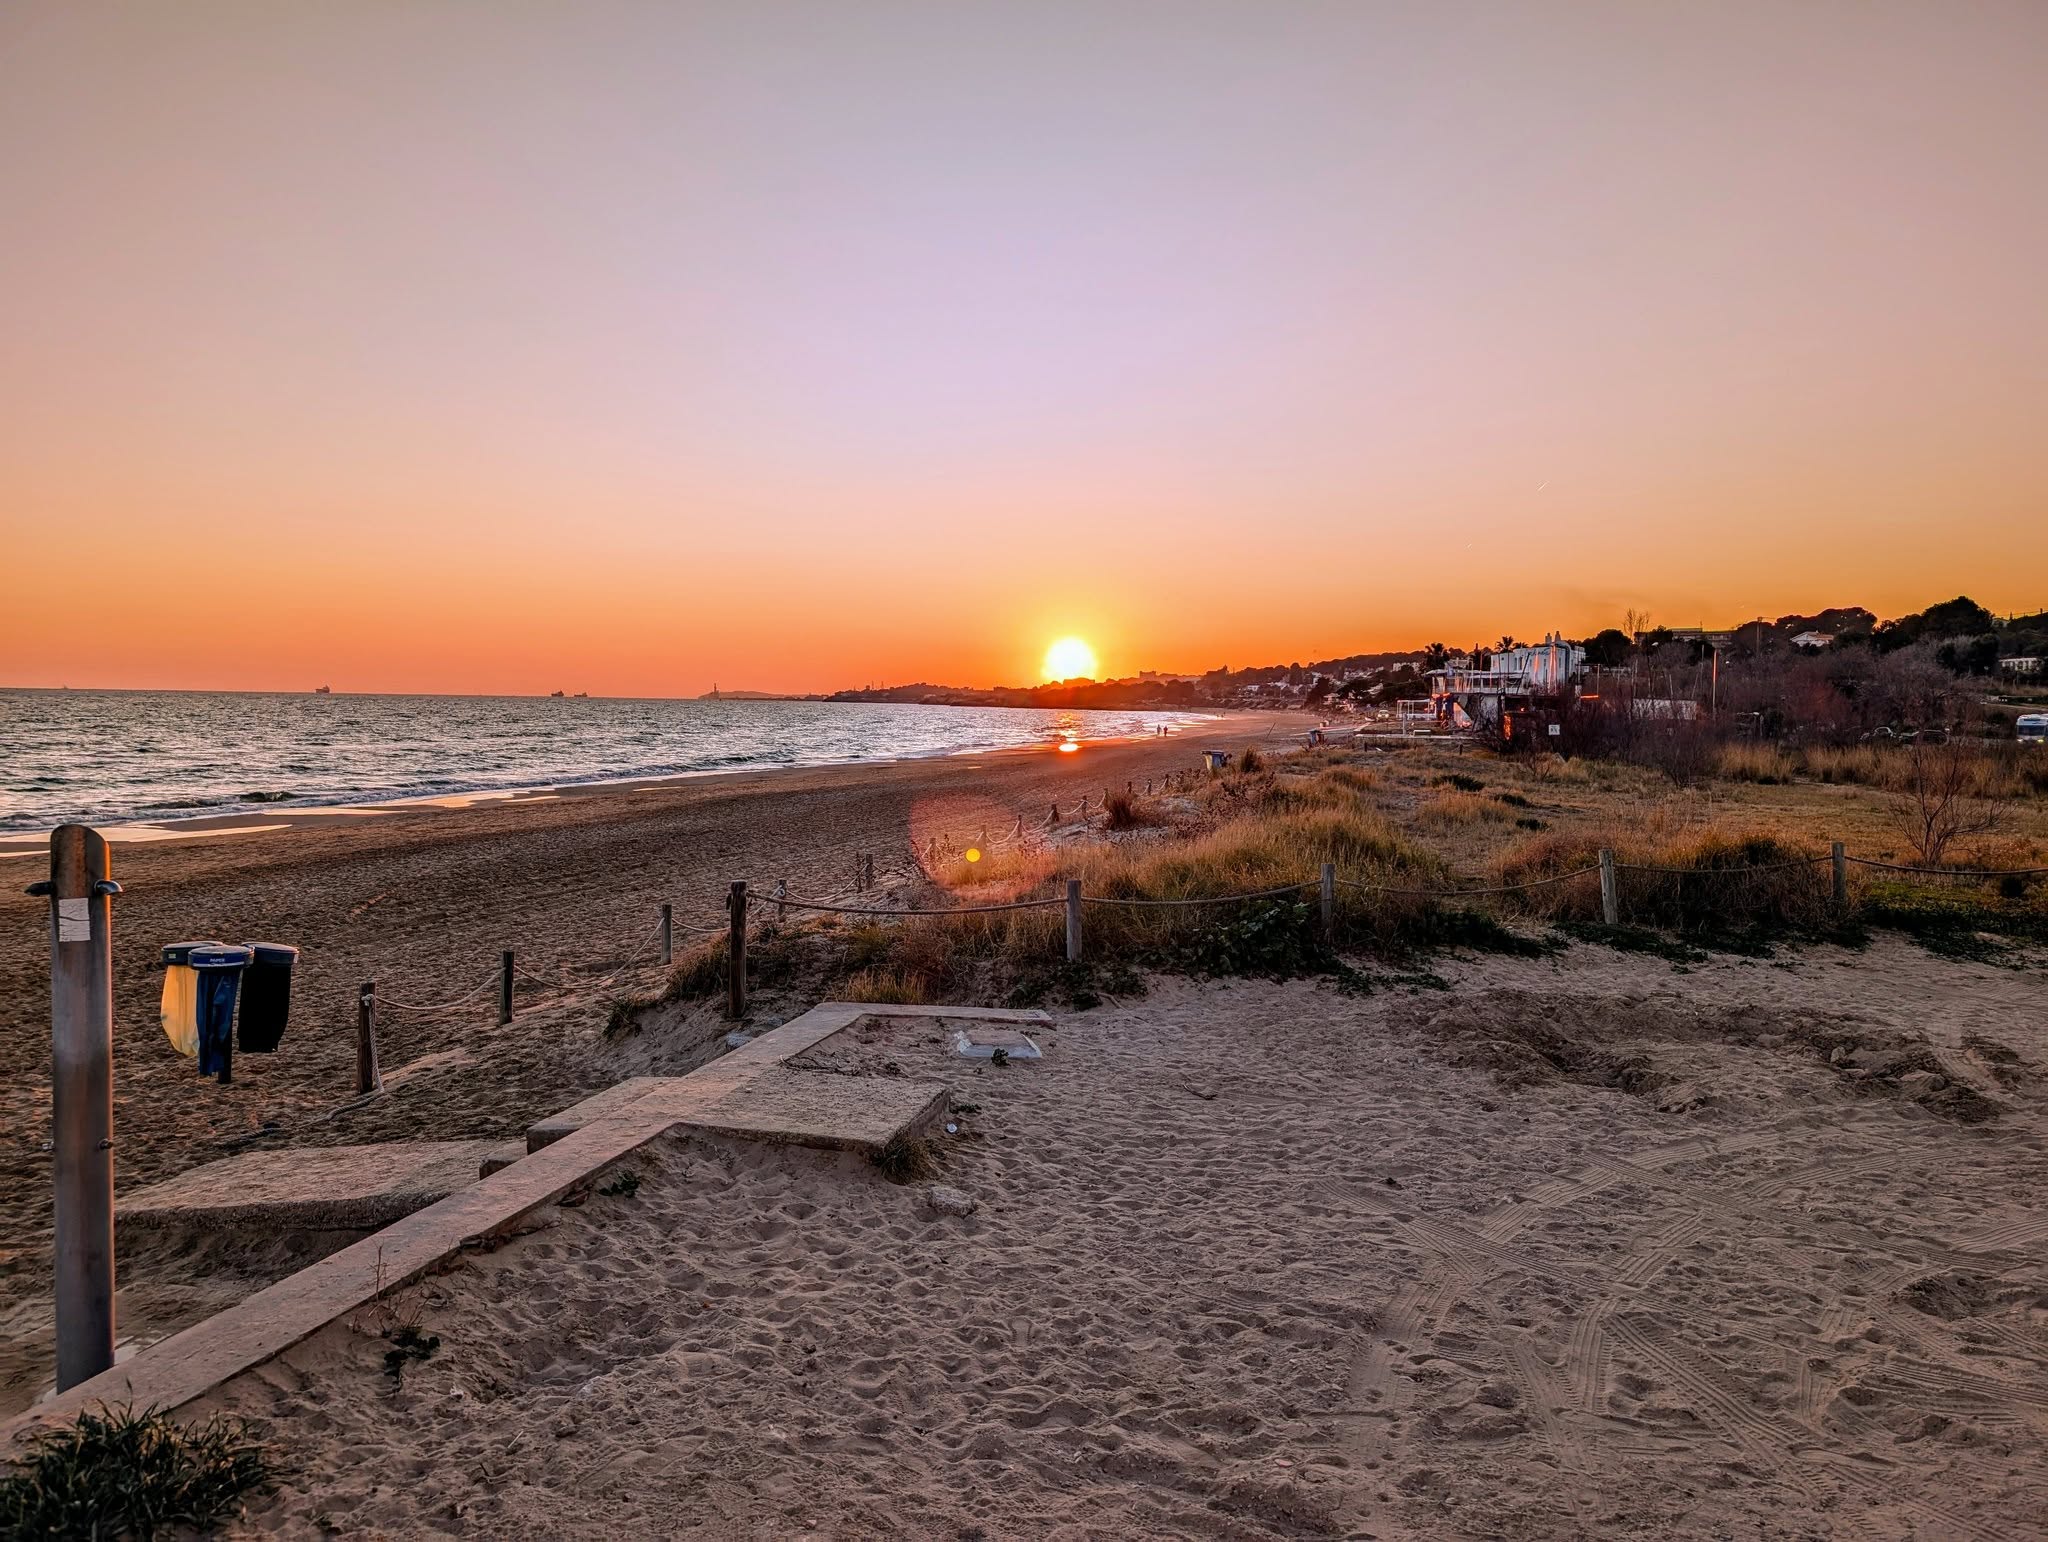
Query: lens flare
column 974, row 853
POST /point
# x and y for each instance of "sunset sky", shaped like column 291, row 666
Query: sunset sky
column 628, row 348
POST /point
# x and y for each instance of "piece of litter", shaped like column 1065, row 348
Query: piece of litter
column 952, row 1129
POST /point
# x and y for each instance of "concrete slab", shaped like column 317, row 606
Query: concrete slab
column 501, row 1156
column 599, row 1105
column 786, row 1105
column 813, row 1108
column 315, row 1188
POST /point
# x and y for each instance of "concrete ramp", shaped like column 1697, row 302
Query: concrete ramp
column 311, row 1188
column 748, row 1093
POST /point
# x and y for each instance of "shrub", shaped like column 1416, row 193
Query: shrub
column 1250, row 761
column 1278, row 939
column 1715, row 882
column 117, row 1473
column 1123, row 811
column 700, row 972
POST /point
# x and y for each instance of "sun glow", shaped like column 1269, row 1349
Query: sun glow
column 1070, row 659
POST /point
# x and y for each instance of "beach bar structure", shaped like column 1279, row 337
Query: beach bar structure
column 1518, row 688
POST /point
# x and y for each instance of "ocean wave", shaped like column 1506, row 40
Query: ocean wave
column 206, row 752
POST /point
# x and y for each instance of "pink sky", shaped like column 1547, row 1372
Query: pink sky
column 629, row 348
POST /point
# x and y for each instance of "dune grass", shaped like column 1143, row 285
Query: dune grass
column 1700, row 865
column 114, row 1472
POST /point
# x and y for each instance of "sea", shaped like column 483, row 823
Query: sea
column 145, row 757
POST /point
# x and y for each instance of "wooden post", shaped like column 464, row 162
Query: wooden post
column 1073, row 920
column 668, row 935
column 369, row 1075
column 1329, row 900
column 1610, row 898
column 505, row 987
column 736, row 954
column 1841, row 859
column 82, row 1050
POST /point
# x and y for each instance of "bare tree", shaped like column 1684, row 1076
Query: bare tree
column 1944, row 795
column 1635, row 623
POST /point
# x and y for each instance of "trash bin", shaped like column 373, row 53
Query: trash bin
column 219, row 969
column 266, row 996
column 181, row 996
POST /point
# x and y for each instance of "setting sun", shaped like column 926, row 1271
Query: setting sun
column 1070, row 659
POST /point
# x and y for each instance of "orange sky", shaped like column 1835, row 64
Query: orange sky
column 628, row 349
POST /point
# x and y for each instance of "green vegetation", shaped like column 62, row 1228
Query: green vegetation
column 408, row 1344
column 116, row 1473
column 1957, row 922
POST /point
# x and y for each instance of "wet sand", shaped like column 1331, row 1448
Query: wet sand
column 422, row 900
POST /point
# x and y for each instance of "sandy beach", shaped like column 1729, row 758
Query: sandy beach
column 1599, row 1243
column 422, row 899
column 1240, row 1266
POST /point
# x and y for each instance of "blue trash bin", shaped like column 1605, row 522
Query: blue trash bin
column 220, row 977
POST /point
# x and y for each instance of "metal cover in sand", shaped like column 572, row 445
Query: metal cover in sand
column 981, row 1043
column 354, row 1188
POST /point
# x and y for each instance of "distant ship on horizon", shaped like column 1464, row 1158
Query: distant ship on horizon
column 323, row 690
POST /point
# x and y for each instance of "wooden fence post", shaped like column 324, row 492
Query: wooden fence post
column 736, row 954
column 1841, row 862
column 1610, row 897
column 1073, row 920
column 505, row 987
column 1329, row 900
column 369, row 1075
column 82, row 1098
column 668, row 923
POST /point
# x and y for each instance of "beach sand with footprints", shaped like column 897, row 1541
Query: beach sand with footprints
column 1583, row 1246
column 422, row 900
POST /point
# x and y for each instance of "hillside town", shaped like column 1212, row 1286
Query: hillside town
column 1837, row 673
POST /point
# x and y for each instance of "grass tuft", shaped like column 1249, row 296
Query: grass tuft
column 890, row 987
column 118, row 1473
column 905, row 1160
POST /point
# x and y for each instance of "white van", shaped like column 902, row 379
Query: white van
column 2031, row 728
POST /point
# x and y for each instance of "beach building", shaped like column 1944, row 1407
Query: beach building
column 2024, row 665
column 1514, row 684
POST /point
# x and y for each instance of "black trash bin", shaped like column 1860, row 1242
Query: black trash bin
column 266, row 995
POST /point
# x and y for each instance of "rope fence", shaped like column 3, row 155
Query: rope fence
column 392, row 1004
column 1665, row 902
column 1953, row 872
